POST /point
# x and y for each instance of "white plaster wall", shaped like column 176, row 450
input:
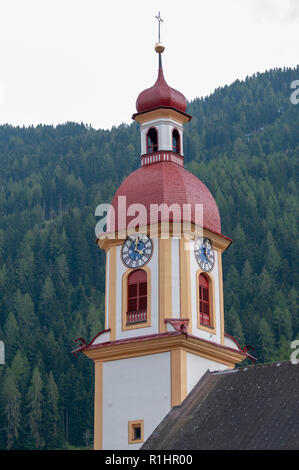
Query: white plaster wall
column 197, row 366
column 215, row 274
column 143, row 131
column 175, row 277
column 163, row 138
column 181, row 137
column 134, row 388
column 102, row 338
column 120, row 270
column 230, row 343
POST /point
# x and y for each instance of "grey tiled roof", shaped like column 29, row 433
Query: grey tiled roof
column 254, row 407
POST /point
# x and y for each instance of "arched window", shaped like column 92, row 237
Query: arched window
column 152, row 140
column 137, row 297
column 176, row 147
column 204, row 301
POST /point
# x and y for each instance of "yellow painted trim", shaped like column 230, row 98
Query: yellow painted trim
column 185, row 282
column 131, row 425
column 98, row 406
column 124, row 325
column 112, row 293
column 165, row 283
column 174, row 229
column 221, row 297
column 212, row 328
column 106, row 291
column 192, row 344
column 162, row 113
column 219, row 243
column 106, row 243
column 178, row 376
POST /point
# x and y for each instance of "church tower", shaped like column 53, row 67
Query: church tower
column 164, row 316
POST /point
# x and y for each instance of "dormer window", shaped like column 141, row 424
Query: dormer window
column 152, row 140
column 176, row 147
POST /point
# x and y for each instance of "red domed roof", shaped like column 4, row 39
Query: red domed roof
column 160, row 95
column 164, row 182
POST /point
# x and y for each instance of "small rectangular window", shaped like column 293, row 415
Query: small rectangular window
column 136, row 431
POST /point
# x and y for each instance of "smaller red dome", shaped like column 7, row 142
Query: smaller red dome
column 161, row 95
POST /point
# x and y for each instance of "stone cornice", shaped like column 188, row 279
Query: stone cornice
column 164, row 342
column 162, row 229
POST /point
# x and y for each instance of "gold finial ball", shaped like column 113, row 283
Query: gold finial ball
column 159, row 48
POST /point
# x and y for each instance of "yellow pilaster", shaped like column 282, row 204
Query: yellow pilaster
column 178, row 376
column 112, row 293
column 98, row 406
column 165, row 285
column 221, row 297
column 185, row 282
column 106, row 292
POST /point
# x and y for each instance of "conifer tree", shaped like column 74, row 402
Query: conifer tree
column 234, row 326
column 11, row 403
column 51, row 419
column 21, row 370
column 11, row 332
column 34, row 410
column 265, row 344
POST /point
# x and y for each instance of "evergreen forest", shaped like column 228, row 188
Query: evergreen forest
column 242, row 142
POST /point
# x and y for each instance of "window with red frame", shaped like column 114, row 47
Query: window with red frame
column 152, row 141
column 204, row 301
column 137, row 297
column 176, row 141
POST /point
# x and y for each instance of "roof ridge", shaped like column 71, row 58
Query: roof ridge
column 254, row 366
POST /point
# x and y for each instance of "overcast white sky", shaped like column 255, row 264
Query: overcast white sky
column 87, row 60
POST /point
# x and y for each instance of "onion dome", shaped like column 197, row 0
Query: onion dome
column 161, row 94
column 168, row 183
column 162, row 190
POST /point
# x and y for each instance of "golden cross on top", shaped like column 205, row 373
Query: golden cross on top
column 160, row 21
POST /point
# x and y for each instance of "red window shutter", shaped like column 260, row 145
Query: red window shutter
column 204, row 301
column 132, row 290
column 137, row 296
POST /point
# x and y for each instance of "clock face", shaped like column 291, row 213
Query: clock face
column 204, row 254
column 137, row 250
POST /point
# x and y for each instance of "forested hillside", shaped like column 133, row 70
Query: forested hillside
column 243, row 142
